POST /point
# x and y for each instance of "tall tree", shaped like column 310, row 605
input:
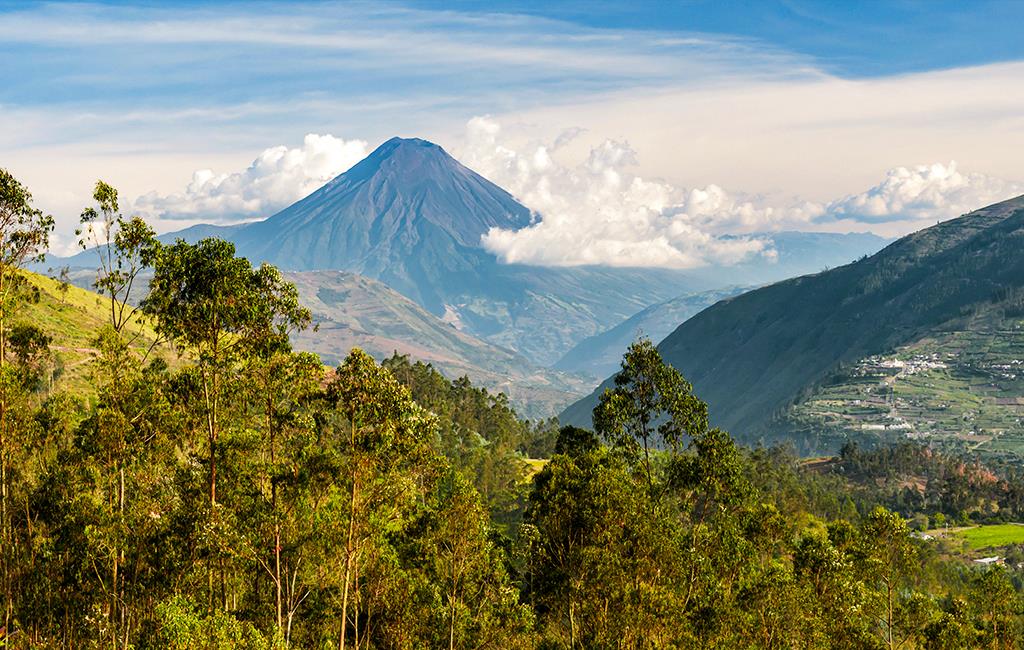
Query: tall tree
column 220, row 310
column 479, row 606
column 125, row 246
column 24, row 237
column 887, row 555
column 383, row 439
column 651, row 405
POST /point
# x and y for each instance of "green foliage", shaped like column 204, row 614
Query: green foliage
column 183, row 626
column 216, row 305
column 479, row 433
column 24, row 232
column 124, row 246
column 651, row 404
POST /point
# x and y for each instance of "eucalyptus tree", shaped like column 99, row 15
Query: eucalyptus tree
column 24, row 237
column 887, row 555
column 650, row 406
column 124, row 247
column 120, row 431
column 478, row 605
column 383, row 444
column 282, row 388
column 998, row 608
column 219, row 311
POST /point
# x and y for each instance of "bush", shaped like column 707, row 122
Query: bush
column 183, row 626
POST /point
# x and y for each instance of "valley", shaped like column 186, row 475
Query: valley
column 352, row 311
column 951, row 293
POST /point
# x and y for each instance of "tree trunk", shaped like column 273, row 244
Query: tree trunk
column 451, row 625
column 888, row 588
column 5, row 541
column 349, row 554
column 273, row 507
column 119, row 583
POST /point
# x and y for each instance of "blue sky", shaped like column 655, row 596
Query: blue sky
column 700, row 118
column 855, row 39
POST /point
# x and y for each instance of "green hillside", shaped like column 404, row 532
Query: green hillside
column 959, row 389
column 754, row 356
column 72, row 318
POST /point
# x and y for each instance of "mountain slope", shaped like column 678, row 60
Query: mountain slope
column 754, row 355
column 599, row 355
column 73, row 320
column 354, row 311
column 408, row 214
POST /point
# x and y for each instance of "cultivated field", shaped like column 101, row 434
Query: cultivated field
column 993, row 536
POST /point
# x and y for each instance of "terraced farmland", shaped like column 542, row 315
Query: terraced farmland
column 961, row 389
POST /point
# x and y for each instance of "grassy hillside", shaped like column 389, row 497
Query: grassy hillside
column 753, row 356
column 73, row 319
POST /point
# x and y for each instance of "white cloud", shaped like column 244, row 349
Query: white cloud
column 599, row 212
column 924, row 193
column 277, row 177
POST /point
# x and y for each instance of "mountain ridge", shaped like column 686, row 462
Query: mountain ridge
column 751, row 356
column 355, row 311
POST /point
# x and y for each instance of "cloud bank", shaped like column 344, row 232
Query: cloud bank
column 599, row 212
column 278, row 177
column 924, row 193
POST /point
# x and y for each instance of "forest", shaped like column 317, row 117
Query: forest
column 214, row 488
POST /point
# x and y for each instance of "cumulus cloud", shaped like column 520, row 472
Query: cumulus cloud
column 599, row 212
column 277, row 177
column 925, row 192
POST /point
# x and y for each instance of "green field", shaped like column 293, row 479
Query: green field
column 993, row 536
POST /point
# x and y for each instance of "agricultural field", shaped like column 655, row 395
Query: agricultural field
column 962, row 390
column 992, row 536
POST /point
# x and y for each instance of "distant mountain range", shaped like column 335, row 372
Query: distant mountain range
column 756, row 356
column 354, row 311
column 599, row 355
column 412, row 217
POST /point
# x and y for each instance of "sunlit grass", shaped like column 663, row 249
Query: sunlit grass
column 993, row 536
